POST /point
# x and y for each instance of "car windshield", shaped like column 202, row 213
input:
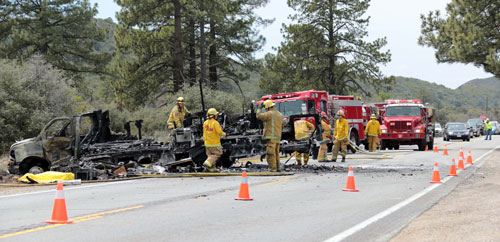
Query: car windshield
column 398, row 111
column 475, row 121
column 456, row 126
column 289, row 108
column 438, row 126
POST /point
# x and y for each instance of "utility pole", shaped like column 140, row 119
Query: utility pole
column 487, row 107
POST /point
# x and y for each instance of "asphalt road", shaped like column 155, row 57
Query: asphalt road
column 307, row 206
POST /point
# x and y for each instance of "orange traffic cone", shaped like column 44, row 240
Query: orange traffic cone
column 436, row 149
column 453, row 168
column 59, row 215
column 426, row 149
column 469, row 159
column 445, row 152
column 461, row 164
column 435, row 175
column 244, row 195
column 461, row 153
column 350, row 186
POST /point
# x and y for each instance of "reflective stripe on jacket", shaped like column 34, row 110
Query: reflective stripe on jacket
column 302, row 128
column 273, row 124
column 212, row 132
column 373, row 128
column 341, row 130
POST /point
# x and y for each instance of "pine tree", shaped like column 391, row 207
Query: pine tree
column 64, row 32
column 324, row 48
column 469, row 34
column 179, row 42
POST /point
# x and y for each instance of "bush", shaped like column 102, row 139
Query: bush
column 30, row 94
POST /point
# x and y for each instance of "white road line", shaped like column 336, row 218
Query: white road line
column 72, row 188
column 364, row 224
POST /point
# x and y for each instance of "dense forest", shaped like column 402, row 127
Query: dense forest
column 56, row 59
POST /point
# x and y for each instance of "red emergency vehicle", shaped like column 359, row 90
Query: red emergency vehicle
column 303, row 102
column 357, row 114
column 406, row 122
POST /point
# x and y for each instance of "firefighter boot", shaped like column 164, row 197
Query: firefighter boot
column 343, row 158
column 209, row 166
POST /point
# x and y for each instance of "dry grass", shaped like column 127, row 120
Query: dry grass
column 3, row 162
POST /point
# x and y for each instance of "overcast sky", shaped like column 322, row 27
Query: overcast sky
column 398, row 20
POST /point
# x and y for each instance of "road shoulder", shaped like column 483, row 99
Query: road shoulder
column 469, row 213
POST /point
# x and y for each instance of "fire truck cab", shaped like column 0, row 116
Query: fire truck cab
column 296, row 103
column 406, row 122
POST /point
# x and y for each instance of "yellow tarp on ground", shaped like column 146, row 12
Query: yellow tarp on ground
column 47, row 177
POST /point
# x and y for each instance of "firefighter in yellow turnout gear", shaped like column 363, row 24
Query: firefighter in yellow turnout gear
column 327, row 135
column 302, row 132
column 372, row 131
column 211, row 135
column 273, row 125
column 341, row 134
column 177, row 115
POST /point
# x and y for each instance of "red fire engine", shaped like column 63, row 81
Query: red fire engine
column 356, row 113
column 406, row 122
column 296, row 103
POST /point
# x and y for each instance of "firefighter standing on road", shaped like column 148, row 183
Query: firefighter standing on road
column 211, row 135
column 273, row 125
column 302, row 132
column 327, row 135
column 489, row 129
column 373, row 131
column 340, row 132
column 177, row 115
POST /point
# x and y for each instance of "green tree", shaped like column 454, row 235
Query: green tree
column 469, row 33
column 62, row 31
column 214, row 38
column 325, row 49
column 30, row 95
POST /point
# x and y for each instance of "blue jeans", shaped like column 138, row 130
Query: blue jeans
column 488, row 133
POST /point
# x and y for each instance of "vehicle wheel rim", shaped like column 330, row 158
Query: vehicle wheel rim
column 35, row 170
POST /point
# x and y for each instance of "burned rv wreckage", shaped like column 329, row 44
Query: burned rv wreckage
column 85, row 145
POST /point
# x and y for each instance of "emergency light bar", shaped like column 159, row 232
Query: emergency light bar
column 394, row 101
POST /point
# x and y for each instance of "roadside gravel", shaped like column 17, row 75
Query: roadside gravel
column 470, row 213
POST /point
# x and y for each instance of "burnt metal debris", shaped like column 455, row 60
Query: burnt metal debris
column 85, row 145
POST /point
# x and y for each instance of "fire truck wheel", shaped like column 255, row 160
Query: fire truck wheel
column 422, row 144
column 354, row 141
column 396, row 147
column 430, row 145
column 383, row 145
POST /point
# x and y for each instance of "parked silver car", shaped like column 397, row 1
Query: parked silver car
column 496, row 127
column 438, row 131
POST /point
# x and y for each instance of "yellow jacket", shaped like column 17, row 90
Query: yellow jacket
column 327, row 130
column 212, row 132
column 273, row 124
column 302, row 128
column 341, row 130
column 373, row 128
column 177, row 116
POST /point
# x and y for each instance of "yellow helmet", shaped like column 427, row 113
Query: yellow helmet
column 212, row 112
column 373, row 116
column 268, row 104
column 340, row 113
column 180, row 99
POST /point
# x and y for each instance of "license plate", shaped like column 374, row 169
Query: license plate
column 459, row 135
column 400, row 136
